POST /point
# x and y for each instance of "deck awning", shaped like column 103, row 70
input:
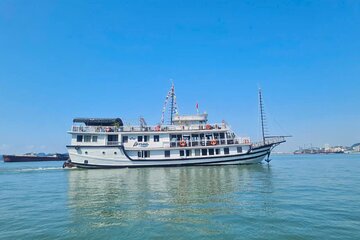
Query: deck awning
column 100, row 121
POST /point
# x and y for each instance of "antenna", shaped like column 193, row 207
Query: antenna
column 262, row 116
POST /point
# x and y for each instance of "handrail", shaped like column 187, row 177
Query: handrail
column 163, row 128
column 113, row 143
column 269, row 141
column 206, row 142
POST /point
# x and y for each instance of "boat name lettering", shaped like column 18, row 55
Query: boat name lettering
column 136, row 144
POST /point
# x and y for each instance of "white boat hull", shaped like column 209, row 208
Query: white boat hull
column 122, row 160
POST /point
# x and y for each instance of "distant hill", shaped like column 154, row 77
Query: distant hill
column 355, row 145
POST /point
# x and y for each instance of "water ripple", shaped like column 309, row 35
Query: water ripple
column 314, row 197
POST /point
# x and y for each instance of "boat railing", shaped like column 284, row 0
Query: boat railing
column 112, row 143
column 162, row 128
column 269, row 141
column 206, row 142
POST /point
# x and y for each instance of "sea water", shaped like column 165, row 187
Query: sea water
column 294, row 197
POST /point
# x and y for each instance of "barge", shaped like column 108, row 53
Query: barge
column 35, row 158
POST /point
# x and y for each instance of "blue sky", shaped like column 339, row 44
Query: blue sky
column 66, row 59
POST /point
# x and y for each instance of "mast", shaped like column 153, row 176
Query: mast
column 262, row 115
column 170, row 106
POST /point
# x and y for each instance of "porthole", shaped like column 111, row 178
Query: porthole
column 86, row 161
column 86, row 153
column 115, row 153
column 103, row 153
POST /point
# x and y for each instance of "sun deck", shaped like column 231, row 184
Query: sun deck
column 156, row 129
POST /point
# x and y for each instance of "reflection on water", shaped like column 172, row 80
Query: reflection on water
column 296, row 197
column 152, row 196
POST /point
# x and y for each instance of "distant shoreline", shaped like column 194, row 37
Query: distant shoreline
column 326, row 154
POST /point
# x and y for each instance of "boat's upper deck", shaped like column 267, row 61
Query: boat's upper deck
column 180, row 124
column 182, row 134
column 223, row 127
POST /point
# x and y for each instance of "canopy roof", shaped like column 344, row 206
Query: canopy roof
column 100, row 121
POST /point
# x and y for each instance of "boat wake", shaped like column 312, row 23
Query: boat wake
column 23, row 170
column 39, row 169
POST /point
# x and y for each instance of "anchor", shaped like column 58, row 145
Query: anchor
column 268, row 160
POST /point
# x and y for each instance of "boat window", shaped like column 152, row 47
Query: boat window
column 167, row 153
column 125, row 139
column 87, row 138
column 204, row 152
column 79, row 138
column 146, row 154
column 156, row 138
column 182, row 153
column 195, row 136
column 197, row 152
column 211, row 152
column 202, row 136
column 140, row 138
column 179, row 137
column 217, row 151
column 226, row 151
column 146, row 138
column 188, row 153
column 222, row 135
column 94, row 138
column 113, row 138
column 239, row 149
column 143, row 154
column 216, row 135
column 209, row 136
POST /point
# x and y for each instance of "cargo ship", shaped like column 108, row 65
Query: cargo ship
column 31, row 157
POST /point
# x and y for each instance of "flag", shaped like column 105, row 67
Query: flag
column 197, row 107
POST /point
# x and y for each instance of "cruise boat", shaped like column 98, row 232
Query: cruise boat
column 188, row 140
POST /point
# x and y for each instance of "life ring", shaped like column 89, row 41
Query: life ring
column 213, row 142
column 182, row 143
column 208, row 127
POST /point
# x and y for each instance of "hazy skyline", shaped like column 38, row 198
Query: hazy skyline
column 65, row 59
